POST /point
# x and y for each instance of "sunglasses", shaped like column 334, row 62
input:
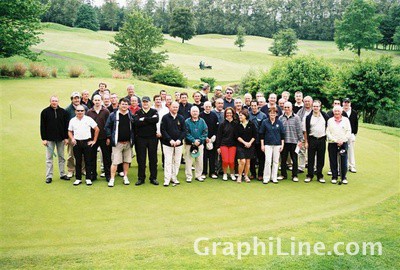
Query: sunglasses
column 79, row 110
column 287, row 107
column 229, row 92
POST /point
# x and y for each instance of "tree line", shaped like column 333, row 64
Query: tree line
column 311, row 20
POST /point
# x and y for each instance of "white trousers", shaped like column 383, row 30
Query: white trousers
column 172, row 161
column 198, row 163
column 351, row 154
column 271, row 158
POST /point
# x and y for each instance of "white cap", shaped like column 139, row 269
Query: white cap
column 218, row 87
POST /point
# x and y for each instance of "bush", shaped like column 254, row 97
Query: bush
column 19, row 70
column 54, row 72
column 285, row 43
column 250, row 82
column 5, row 71
column 75, row 71
column 210, row 81
column 37, row 70
column 122, row 75
column 388, row 118
column 169, row 75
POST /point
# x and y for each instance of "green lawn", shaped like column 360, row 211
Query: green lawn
column 147, row 227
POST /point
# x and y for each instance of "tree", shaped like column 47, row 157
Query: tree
column 110, row 14
column 240, row 37
column 19, row 27
column 135, row 42
column 285, row 43
column 87, row 18
column 61, row 11
column 372, row 85
column 358, row 28
column 388, row 26
column 396, row 37
column 182, row 24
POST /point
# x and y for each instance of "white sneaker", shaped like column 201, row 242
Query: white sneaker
column 225, row 177
column 126, row 180
column 200, row 179
column 77, row 182
column 214, row 176
column 353, row 170
column 233, row 177
column 275, row 181
column 88, row 182
column 111, row 183
column 333, row 181
column 176, row 182
column 280, row 177
column 307, row 180
column 70, row 174
column 103, row 175
column 189, row 180
column 265, row 182
column 295, row 179
column 121, row 174
column 322, row 180
column 344, row 181
column 329, row 172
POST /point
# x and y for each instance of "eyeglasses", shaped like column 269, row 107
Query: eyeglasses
column 229, row 92
column 79, row 110
column 286, row 107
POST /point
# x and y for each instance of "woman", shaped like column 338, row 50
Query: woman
column 226, row 143
column 338, row 134
column 272, row 134
column 247, row 134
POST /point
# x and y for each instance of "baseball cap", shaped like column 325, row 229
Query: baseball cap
column 346, row 100
column 194, row 151
column 75, row 94
column 146, row 98
column 218, row 87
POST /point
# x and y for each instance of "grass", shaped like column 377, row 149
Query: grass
column 387, row 130
column 62, row 226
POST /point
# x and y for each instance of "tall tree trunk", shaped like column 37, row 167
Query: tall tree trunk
column 358, row 51
column 183, row 40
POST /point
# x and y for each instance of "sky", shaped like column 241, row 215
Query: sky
column 100, row 2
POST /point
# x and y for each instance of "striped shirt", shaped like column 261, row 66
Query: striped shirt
column 293, row 129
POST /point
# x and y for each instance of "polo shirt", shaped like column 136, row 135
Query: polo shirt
column 82, row 128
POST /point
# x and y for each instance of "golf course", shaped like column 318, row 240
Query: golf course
column 58, row 225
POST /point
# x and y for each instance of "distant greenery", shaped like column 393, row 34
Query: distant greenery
column 240, row 37
column 182, row 24
column 87, row 18
column 285, row 43
column 169, row 75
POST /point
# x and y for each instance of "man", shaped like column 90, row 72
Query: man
column 271, row 103
column 106, row 100
column 217, row 94
column 100, row 91
column 168, row 101
column 120, row 135
column 85, row 100
column 259, row 95
column 303, row 113
column 293, row 140
column 197, row 101
column 285, row 95
column 247, row 101
column 196, row 134
column 146, row 141
column 184, row 106
column 257, row 117
column 70, row 110
column 161, row 110
column 100, row 115
column 281, row 103
column 210, row 152
column 204, row 93
column 173, row 134
column 130, row 89
column 315, row 137
column 114, row 103
column 228, row 100
column 134, row 108
column 238, row 106
column 54, row 133
column 177, row 96
column 261, row 102
column 298, row 97
column 219, row 109
column 163, row 95
column 79, row 133
column 353, row 118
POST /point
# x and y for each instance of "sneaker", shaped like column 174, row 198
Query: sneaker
column 121, row 174
column 295, row 179
column 77, row 182
column 307, row 180
column 281, row 177
column 225, row 177
column 188, row 180
column 204, row 176
column 352, row 170
column 334, row 181
column 265, row 182
column 102, row 175
column 200, row 179
column 300, row 170
column 329, row 172
column 321, row 180
column 275, row 181
column 126, row 180
column 247, row 179
column 70, row 174
column 111, row 183
column 175, row 182
column 214, row 176
column 344, row 181
column 65, row 177
column 88, row 182
column 233, row 177
column 239, row 179
column 166, row 185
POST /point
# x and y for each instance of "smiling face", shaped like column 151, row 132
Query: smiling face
column 80, row 111
column 123, row 106
column 54, row 102
column 197, row 97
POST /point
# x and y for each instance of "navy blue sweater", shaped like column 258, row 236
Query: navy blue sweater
column 172, row 129
column 273, row 134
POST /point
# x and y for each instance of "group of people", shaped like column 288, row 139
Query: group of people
column 217, row 136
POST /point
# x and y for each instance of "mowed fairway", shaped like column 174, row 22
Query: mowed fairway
column 147, row 227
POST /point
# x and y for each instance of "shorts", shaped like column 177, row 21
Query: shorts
column 122, row 152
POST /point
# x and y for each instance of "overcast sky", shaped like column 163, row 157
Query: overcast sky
column 100, row 2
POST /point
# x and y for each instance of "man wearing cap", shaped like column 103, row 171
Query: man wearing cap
column 173, row 134
column 210, row 153
column 79, row 133
column 54, row 132
column 130, row 89
column 71, row 109
column 146, row 120
column 204, row 93
column 353, row 117
column 120, row 135
column 196, row 134
column 217, row 94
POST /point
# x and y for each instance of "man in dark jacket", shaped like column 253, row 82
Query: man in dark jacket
column 352, row 114
column 54, row 132
column 146, row 120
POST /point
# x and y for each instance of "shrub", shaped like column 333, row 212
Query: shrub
column 19, row 70
column 37, row 70
column 250, row 82
column 210, row 81
column 75, row 71
column 122, row 75
column 5, row 71
column 54, row 72
column 169, row 75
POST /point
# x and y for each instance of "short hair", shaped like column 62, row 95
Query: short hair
column 194, row 108
column 229, row 88
column 54, row 96
column 308, row 98
column 273, row 94
column 219, row 100
column 298, row 93
column 133, row 97
column 79, row 106
column 253, row 101
column 156, row 96
column 286, row 92
column 123, row 100
column 97, row 96
column 245, row 112
column 162, row 90
column 238, row 99
column 337, row 107
column 272, row 110
column 197, row 92
column 103, row 83
column 288, row 103
column 317, row 101
column 205, row 86
column 85, row 91
column 130, row 86
column 247, row 94
column 207, row 103
column 184, row 94
column 229, row 109
column 261, row 98
column 175, row 102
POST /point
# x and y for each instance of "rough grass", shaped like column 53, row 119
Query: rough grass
column 62, row 226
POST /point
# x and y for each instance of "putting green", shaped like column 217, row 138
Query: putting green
column 39, row 221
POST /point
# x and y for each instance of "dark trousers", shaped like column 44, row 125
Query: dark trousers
column 316, row 146
column 209, row 157
column 106, row 153
column 81, row 148
column 333, row 150
column 289, row 149
column 143, row 147
column 260, row 157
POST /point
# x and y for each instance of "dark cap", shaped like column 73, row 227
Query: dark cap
column 146, row 99
column 346, row 100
